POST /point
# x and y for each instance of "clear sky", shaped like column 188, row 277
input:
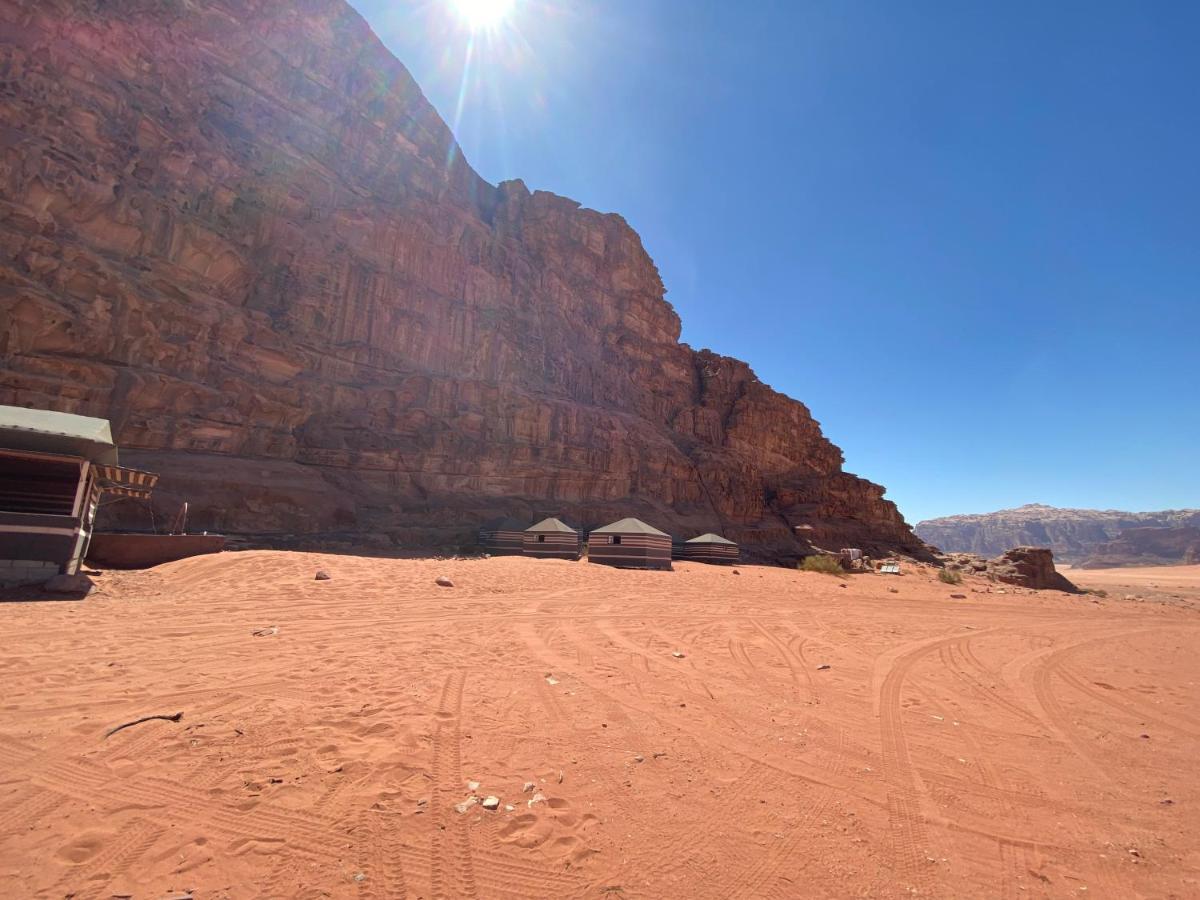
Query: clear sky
column 966, row 235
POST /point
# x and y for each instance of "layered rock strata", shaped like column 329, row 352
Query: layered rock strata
column 241, row 233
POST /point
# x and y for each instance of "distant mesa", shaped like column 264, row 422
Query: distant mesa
column 1178, row 545
column 1075, row 535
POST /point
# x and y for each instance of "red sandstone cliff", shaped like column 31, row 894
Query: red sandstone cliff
column 231, row 228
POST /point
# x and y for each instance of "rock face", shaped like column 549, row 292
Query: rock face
column 1073, row 534
column 1030, row 567
column 240, row 232
column 1148, row 547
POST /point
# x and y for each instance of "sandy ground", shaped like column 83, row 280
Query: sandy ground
column 1154, row 583
column 1000, row 745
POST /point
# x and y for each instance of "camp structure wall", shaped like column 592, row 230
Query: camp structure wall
column 551, row 545
column 502, row 541
column 707, row 553
column 632, row 551
column 47, row 506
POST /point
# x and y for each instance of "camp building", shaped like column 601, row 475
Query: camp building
column 54, row 467
column 630, row 543
column 709, row 548
column 551, row 539
column 503, row 536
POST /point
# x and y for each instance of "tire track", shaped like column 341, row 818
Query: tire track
column 452, row 872
column 132, row 843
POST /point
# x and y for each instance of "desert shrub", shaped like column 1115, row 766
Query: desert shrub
column 826, row 564
column 948, row 577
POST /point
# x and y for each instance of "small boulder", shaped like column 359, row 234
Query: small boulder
column 528, row 788
column 465, row 805
column 69, row 584
column 958, row 596
column 491, row 803
column 893, row 590
column 823, row 666
column 443, row 581
column 677, row 654
column 322, row 575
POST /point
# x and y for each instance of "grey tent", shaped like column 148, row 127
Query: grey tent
column 710, row 548
column 630, row 543
column 503, row 536
column 551, row 539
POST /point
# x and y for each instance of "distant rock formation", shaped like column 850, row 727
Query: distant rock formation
column 1148, row 547
column 1073, row 534
column 240, row 232
column 1031, row 567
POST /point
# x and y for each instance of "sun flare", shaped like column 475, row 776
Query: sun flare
column 479, row 14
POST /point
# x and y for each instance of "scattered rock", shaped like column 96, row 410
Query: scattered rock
column 560, row 776
column 321, row 575
column 508, row 807
column 529, row 786
column 472, row 785
column 893, row 590
column 360, row 877
column 639, row 758
column 958, row 596
column 1133, row 851
column 841, row 584
column 443, row 581
column 491, row 803
column 551, row 680
column 823, row 666
column 736, row 572
column 537, row 798
column 69, row 584
column 266, row 632
column 1144, row 737
column 466, row 804
column 677, row 655
column 1166, row 801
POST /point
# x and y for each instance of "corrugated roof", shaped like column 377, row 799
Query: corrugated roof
column 629, row 526
column 48, row 431
column 551, row 526
column 710, row 538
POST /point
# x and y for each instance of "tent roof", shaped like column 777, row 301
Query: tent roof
column 552, row 525
column 629, row 526
column 711, row 538
column 47, row 431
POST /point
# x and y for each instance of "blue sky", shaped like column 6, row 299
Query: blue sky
column 966, row 235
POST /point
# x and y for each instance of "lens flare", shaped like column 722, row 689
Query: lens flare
column 481, row 14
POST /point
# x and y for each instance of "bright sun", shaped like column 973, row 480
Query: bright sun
column 482, row 13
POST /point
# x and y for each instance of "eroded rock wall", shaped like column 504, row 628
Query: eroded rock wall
column 241, row 233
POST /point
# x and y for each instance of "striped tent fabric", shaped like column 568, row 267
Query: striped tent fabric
column 128, row 482
column 709, row 548
column 551, row 539
column 502, row 537
column 630, row 543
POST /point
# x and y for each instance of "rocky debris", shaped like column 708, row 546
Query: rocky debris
column 639, row 758
column 893, row 590
column 677, row 654
column 536, row 798
column 266, row 632
column 823, row 666
column 321, row 575
column 466, row 804
column 958, row 596
column 69, row 584
column 1073, row 534
column 529, row 786
column 369, row 345
column 443, row 581
column 1030, row 567
column 491, row 803
column 472, row 785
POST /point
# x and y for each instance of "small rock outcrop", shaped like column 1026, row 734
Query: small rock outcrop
column 1029, row 567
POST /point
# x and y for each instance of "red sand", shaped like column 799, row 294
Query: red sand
column 1001, row 745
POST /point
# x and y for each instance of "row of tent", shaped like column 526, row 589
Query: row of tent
column 629, row 543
